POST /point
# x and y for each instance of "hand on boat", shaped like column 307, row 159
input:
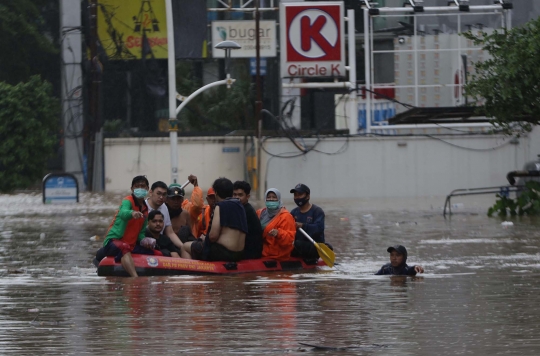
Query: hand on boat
column 137, row 214
column 148, row 242
column 419, row 269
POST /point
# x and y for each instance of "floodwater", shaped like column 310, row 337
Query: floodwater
column 480, row 294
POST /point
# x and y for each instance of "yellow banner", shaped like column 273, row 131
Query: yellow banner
column 122, row 25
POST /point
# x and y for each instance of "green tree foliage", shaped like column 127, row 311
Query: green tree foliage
column 528, row 202
column 28, row 128
column 218, row 108
column 507, row 83
column 27, row 39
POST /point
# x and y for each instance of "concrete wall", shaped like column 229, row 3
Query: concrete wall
column 202, row 156
column 367, row 167
column 385, row 167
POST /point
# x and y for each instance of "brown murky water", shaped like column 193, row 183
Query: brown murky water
column 480, row 293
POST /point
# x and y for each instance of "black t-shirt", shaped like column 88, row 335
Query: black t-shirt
column 232, row 215
column 254, row 243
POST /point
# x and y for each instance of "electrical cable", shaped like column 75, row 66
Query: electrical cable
column 469, row 148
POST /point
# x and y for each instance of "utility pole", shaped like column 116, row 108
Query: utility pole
column 258, row 102
column 72, row 119
column 94, row 161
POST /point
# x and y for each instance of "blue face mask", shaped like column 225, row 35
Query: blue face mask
column 272, row 205
column 140, row 192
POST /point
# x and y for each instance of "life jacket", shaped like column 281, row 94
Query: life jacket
column 203, row 221
column 194, row 207
column 279, row 247
column 133, row 226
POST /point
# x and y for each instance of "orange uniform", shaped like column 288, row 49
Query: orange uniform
column 203, row 221
column 279, row 247
column 200, row 222
column 194, row 206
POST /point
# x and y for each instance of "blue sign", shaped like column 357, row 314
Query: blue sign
column 230, row 149
column 253, row 66
column 60, row 188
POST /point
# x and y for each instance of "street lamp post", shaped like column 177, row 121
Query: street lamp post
column 227, row 46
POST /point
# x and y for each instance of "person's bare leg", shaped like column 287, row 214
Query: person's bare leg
column 186, row 250
column 175, row 254
column 129, row 265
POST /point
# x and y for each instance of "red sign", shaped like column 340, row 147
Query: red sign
column 312, row 39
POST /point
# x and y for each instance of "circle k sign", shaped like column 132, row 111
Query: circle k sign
column 312, row 39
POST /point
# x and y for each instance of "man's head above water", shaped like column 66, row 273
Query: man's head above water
column 398, row 255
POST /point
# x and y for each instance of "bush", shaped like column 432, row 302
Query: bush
column 528, row 202
column 29, row 124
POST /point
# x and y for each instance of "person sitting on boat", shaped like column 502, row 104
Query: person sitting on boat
column 184, row 216
column 254, row 243
column 398, row 263
column 127, row 228
column 278, row 226
column 158, row 193
column 162, row 243
column 200, row 228
column 310, row 218
column 228, row 227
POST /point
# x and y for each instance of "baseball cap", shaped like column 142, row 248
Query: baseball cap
column 211, row 192
column 175, row 190
column 399, row 249
column 301, row 188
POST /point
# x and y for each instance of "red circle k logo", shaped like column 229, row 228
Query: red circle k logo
column 313, row 34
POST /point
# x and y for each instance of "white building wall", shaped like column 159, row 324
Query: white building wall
column 378, row 167
column 203, row 156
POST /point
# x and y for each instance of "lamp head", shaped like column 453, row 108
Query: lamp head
column 225, row 45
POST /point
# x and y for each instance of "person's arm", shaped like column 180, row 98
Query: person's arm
column 215, row 230
column 286, row 230
column 125, row 212
column 413, row 270
column 143, row 231
column 174, row 238
column 195, row 208
column 316, row 228
column 386, row 269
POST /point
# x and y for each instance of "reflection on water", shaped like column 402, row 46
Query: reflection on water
column 480, row 293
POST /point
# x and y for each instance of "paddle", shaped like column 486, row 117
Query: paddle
column 185, row 184
column 324, row 251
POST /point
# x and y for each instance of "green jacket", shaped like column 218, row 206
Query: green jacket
column 124, row 227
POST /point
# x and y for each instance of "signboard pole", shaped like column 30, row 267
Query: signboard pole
column 353, row 107
column 173, row 121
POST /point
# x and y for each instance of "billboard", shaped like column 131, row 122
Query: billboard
column 243, row 33
column 312, row 39
column 123, row 24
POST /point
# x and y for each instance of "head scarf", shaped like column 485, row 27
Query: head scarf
column 268, row 214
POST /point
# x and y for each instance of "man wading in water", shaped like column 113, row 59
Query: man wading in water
column 398, row 263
